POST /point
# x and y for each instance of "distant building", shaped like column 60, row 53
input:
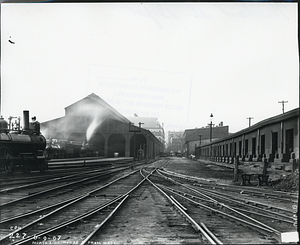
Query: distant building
column 175, row 141
column 193, row 138
column 152, row 124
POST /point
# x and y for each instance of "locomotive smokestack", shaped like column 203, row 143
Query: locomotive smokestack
column 26, row 120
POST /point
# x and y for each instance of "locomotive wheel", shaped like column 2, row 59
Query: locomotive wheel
column 6, row 159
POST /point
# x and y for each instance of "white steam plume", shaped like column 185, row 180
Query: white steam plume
column 95, row 123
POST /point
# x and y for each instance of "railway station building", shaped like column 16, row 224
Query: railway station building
column 269, row 147
column 92, row 120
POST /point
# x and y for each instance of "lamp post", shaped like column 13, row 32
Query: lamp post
column 210, row 133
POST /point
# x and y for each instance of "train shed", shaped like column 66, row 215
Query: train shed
column 92, row 120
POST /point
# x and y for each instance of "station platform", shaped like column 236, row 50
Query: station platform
column 82, row 162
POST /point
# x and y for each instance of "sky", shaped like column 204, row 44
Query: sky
column 179, row 62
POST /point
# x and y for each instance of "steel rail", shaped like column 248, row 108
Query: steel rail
column 189, row 218
column 43, row 217
column 73, row 200
column 273, row 231
column 231, row 199
column 103, row 222
column 37, row 211
column 71, row 221
column 245, row 204
column 210, row 233
column 228, row 197
column 243, row 192
column 56, row 188
column 242, row 214
column 58, row 179
column 69, row 202
column 197, row 179
column 245, row 188
column 179, row 204
column 21, row 180
column 80, row 217
column 282, row 218
column 228, row 207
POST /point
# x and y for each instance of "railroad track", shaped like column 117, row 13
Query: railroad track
column 41, row 202
column 96, row 207
column 262, row 191
column 255, row 196
column 65, row 215
column 139, row 197
column 25, row 192
column 63, row 223
column 19, row 179
column 262, row 217
column 206, row 235
column 58, row 168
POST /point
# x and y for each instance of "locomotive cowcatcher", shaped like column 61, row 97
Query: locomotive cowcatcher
column 22, row 147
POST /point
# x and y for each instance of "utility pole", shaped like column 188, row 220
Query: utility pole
column 283, row 104
column 249, row 120
column 200, row 140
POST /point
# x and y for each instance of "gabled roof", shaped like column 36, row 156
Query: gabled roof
column 96, row 99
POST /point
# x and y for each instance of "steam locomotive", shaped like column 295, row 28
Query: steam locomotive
column 22, row 147
column 58, row 148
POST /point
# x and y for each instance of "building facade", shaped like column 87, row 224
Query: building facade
column 175, row 141
column 193, row 138
column 153, row 125
column 274, row 141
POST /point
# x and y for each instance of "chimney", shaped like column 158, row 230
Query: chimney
column 26, row 120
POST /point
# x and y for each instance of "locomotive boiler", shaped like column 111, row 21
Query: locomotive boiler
column 22, row 147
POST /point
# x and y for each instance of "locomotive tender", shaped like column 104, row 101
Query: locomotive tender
column 22, row 147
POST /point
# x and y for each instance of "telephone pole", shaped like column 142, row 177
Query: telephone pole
column 249, row 120
column 283, row 104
